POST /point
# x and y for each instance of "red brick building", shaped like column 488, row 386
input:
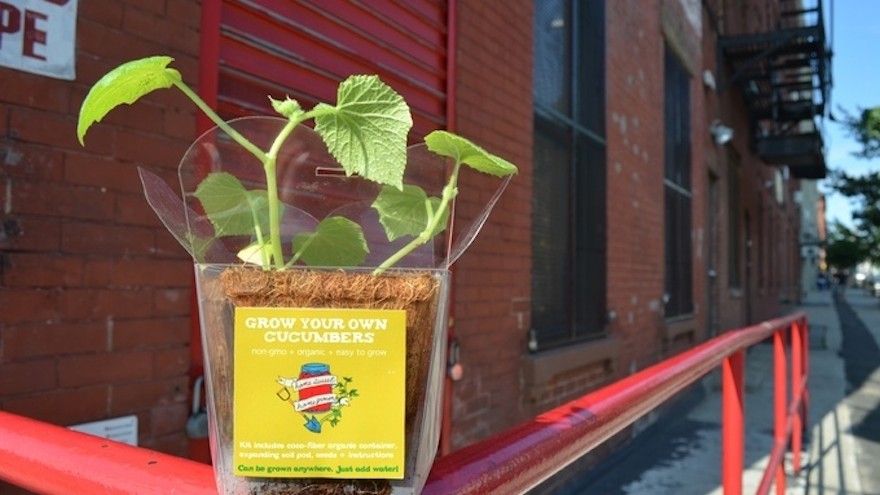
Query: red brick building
column 631, row 232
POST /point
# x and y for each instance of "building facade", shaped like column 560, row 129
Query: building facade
column 637, row 227
column 812, row 237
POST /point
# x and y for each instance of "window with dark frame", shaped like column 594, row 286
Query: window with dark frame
column 677, row 189
column 568, row 198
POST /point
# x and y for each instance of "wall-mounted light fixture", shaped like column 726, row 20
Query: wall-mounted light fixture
column 720, row 133
column 709, row 79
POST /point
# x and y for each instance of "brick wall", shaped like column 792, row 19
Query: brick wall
column 493, row 287
column 637, row 42
column 635, row 169
column 494, row 107
column 94, row 294
column 768, row 272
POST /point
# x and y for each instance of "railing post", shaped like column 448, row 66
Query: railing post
column 733, row 434
column 805, row 346
column 797, row 350
column 780, row 396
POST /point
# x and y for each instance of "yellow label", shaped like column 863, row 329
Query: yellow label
column 319, row 393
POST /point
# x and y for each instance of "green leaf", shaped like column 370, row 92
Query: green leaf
column 197, row 246
column 464, row 151
column 256, row 253
column 404, row 212
column 366, row 131
column 336, row 241
column 288, row 107
column 124, row 84
column 231, row 208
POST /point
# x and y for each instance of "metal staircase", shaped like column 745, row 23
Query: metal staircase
column 785, row 78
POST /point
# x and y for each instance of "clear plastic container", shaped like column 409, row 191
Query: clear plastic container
column 426, row 342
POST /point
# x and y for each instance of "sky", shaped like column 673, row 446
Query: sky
column 854, row 32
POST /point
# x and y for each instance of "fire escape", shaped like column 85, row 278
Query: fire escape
column 785, row 79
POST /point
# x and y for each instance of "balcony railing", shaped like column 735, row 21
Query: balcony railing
column 784, row 76
column 50, row 459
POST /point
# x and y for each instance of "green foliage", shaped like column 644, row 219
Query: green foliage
column 865, row 128
column 232, row 209
column 366, row 131
column 865, row 190
column 845, row 248
column 287, row 107
column 336, row 241
column 124, row 85
column 461, row 150
column 408, row 212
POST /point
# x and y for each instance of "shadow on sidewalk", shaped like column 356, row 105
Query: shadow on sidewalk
column 861, row 355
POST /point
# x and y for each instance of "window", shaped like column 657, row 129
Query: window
column 568, row 222
column 677, row 187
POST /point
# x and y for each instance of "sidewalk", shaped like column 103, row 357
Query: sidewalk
column 684, row 456
column 858, row 430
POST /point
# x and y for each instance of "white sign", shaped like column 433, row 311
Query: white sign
column 39, row 36
column 123, row 429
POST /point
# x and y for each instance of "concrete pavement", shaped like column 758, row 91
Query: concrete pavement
column 682, row 455
column 859, row 316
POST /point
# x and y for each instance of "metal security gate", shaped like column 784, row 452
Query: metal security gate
column 304, row 48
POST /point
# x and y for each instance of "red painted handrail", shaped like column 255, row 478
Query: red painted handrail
column 524, row 456
column 788, row 417
column 51, row 459
column 46, row 458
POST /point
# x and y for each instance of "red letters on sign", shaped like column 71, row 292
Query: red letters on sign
column 10, row 23
column 10, row 20
column 33, row 35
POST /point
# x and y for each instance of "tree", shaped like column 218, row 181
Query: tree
column 865, row 128
column 846, row 248
column 866, row 190
column 864, row 241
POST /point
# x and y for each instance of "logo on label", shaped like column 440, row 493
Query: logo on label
column 320, row 396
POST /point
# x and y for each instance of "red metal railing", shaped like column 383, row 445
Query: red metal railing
column 46, row 458
column 522, row 457
column 50, row 459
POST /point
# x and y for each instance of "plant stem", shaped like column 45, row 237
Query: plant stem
column 449, row 193
column 264, row 260
column 268, row 159
column 298, row 254
column 204, row 107
column 269, row 167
